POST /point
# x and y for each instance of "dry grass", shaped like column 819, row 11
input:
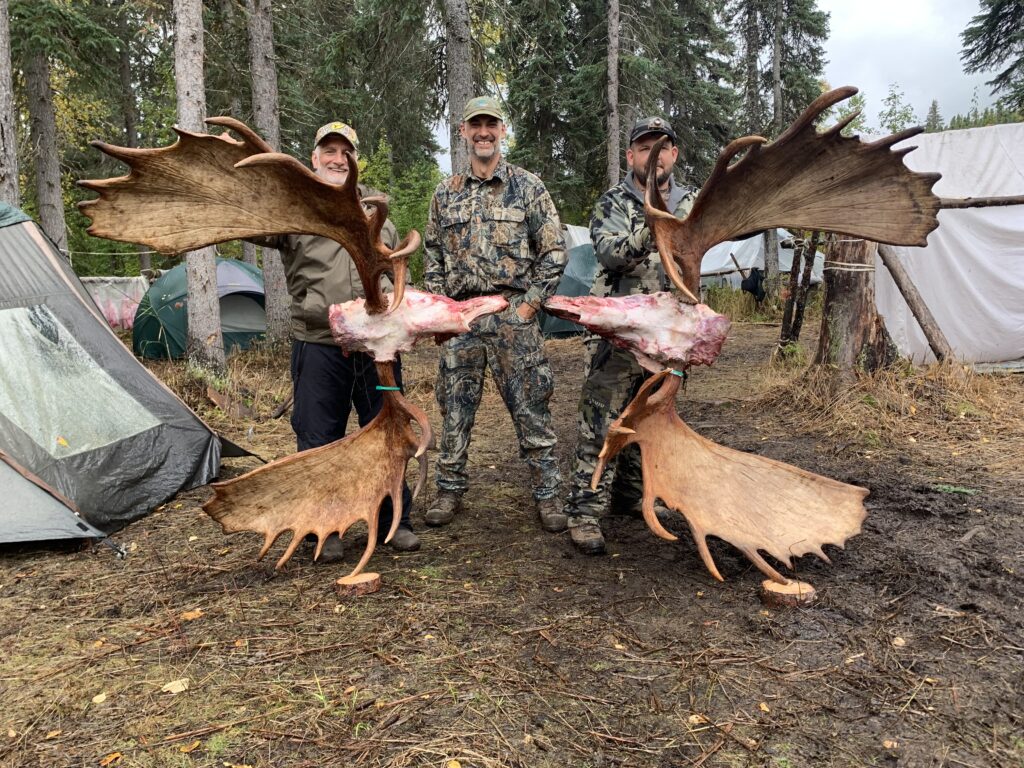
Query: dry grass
column 944, row 410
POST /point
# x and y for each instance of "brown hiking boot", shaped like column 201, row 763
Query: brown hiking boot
column 587, row 537
column 552, row 518
column 443, row 509
column 333, row 551
column 404, row 540
column 635, row 508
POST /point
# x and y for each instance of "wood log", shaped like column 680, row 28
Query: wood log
column 936, row 339
column 792, row 594
column 358, row 585
column 853, row 336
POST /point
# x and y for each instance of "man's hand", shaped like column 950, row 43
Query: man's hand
column 526, row 312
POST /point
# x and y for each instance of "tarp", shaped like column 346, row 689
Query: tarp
column 118, row 298
column 77, row 410
column 161, row 322
column 971, row 274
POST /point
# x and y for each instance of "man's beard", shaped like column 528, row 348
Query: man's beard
column 485, row 155
column 640, row 174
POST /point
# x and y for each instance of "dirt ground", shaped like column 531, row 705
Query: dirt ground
column 498, row 645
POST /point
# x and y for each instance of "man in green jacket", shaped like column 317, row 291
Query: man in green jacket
column 629, row 264
column 327, row 382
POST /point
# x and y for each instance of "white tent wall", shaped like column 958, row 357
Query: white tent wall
column 971, row 273
column 717, row 267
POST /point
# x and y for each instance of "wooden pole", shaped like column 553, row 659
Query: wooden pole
column 936, row 338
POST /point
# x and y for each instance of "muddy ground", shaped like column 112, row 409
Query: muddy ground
column 498, row 645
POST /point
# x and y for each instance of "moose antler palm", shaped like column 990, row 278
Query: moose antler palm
column 328, row 489
column 802, row 180
column 207, row 189
column 753, row 502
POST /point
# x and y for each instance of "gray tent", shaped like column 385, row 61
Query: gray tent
column 578, row 277
column 80, row 417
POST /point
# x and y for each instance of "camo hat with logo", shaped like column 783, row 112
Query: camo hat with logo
column 344, row 130
column 652, row 125
column 482, row 105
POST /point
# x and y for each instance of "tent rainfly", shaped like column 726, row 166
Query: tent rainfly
column 82, row 423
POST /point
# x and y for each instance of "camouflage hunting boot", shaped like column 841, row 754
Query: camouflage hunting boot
column 586, row 535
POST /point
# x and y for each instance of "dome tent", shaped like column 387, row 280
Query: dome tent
column 84, row 427
column 161, row 322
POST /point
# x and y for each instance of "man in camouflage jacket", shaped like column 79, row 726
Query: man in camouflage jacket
column 494, row 231
column 629, row 264
column 326, row 382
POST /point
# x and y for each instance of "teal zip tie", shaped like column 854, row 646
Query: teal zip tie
column 382, row 388
column 680, row 374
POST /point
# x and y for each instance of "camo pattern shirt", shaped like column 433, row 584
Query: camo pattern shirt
column 625, row 250
column 496, row 235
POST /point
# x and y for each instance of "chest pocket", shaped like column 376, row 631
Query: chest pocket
column 507, row 226
column 455, row 229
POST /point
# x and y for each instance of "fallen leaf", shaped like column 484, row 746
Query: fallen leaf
column 890, row 743
column 224, row 551
column 54, row 734
column 176, row 686
column 453, row 764
column 192, row 615
column 899, row 642
column 99, row 698
column 98, row 644
column 696, row 719
column 763, row 707
column 428, row 637
column 350, row 690
column 193, row 538
column 178, row 506
column 110, row 759
column 241, row 643
column 618, row 646
column 190, row 747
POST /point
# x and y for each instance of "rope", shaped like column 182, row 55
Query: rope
column 839, row 266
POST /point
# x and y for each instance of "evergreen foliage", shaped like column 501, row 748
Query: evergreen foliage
column 994, row 39
column 933, row 121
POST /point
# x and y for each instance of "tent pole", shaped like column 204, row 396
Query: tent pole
column 936, row 338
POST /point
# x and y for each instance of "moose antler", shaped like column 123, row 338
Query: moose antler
column 754, row 503
column 328, row 489
column 207, row 189
column 802, row 180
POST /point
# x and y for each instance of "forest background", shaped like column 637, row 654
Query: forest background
column 573, row 77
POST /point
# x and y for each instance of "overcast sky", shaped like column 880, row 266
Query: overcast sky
column 913, row 43
column 874, row 43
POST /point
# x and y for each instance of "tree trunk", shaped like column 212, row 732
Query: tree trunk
column 614, row 150
column 205, row 343
column 460, row 76
column 853, row 337
column 810, row 254
column 791, row 294
column 9, row 192
column 771, row 264
column 43, row 122
column 751, row 90
column 777, row 72
column 936, row 338
column 267, row 116
column 129, row 110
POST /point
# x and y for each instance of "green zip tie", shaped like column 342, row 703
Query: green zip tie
column 382, row 388
column 680, row 374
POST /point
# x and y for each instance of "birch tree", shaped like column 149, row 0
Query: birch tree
column 205, row 344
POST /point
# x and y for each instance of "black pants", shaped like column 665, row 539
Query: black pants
column 326, row 384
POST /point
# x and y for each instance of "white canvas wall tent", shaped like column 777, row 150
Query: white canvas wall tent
column 80, row 417
column 971, row 273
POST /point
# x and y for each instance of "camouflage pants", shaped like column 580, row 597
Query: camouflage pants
column 613, row 379
column 515, row 352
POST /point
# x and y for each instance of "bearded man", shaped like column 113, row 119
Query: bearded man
column 629, row 264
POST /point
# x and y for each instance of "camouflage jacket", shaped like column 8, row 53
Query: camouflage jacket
column 627, row 254
column 496, row 235
column 319, row 272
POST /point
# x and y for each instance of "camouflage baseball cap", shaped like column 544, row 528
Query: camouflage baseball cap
column 344, row 130
column 482, row 105
column 652, row 125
